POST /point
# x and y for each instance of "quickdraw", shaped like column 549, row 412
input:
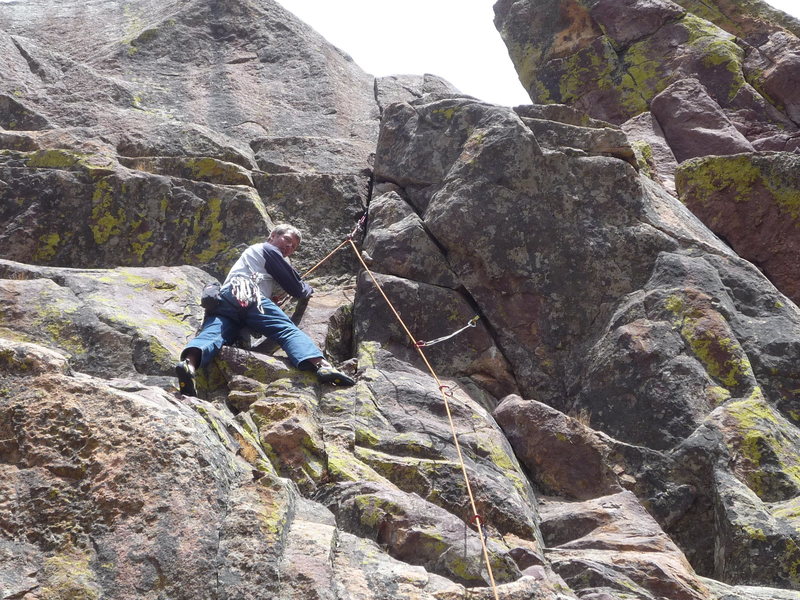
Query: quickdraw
column 359, row 226
column 473, row 322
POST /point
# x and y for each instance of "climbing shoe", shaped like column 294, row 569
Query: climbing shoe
column 327, row 373
column 185, row 372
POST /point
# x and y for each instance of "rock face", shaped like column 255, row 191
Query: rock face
column 612, row 304
column 165, row 132
column 613, row 59
column 621, row 418
column 683, row 79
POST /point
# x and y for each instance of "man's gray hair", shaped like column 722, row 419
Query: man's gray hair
column 282, row 228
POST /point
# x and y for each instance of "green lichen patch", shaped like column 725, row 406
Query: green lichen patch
column 447, row 113
column 590, row 68
column 373, row 510
column 717, row 395
column 274, row 510
column 527, row 58
column 766, row 447
column 69, row 576
column 722, row 357
column 699, row 28
column 208, row 226
column 789, row 511
column 54, row 326
column 426, row 477
column 724, row 55
column 739, row 178
column 141, row 244
column 790, row 559
column 107, row 217
column 643, row 152
column 344, row 466
column 711, row 341
column 205, row 168
column 217, row 427
column 267, row 413
column 95, row 165
column 368, row 354
column 12, row 361
column 489, row 447
column 644, row 76
column 364, row 436
column 217, row 171
column 54, row 159
column 47, row 247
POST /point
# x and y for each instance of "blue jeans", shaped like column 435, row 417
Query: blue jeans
column 222, row 326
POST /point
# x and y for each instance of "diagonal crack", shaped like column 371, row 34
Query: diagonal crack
column 34, row 65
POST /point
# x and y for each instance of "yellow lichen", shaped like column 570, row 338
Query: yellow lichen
column 69, row 576
column 48, row 246
column 735, row 177
column 703, row 329
column 343, row 466
column 105, row 220
column 54, row 159
column 763, row 434
column 447, row 113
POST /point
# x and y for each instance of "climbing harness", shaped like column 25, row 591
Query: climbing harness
column 473, row 322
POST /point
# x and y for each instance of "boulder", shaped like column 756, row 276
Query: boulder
column 155, row 147
column 591, row 141
column 750, row 200
column 107, row 518
column 404, row 88
column 110, row 323
column 128, row 217
column 643, row 376
column 773, row 68
column 397, row 244
column 429, row 313
column 563, row 456
column 617, row 60
column 693, row 124
column 654, row 156
column 611, row 546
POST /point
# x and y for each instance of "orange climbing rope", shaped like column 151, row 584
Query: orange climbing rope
column 331, row 253
column 446, row 392
column 349, row 238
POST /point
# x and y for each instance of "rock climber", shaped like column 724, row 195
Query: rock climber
column 246, row 300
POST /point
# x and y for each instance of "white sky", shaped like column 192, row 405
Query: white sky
column 455, row 39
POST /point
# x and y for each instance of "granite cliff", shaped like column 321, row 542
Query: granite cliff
column 625, row 407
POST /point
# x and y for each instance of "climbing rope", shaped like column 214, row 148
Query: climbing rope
column 351, row 235
column 331, row 253
column 446, row 392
